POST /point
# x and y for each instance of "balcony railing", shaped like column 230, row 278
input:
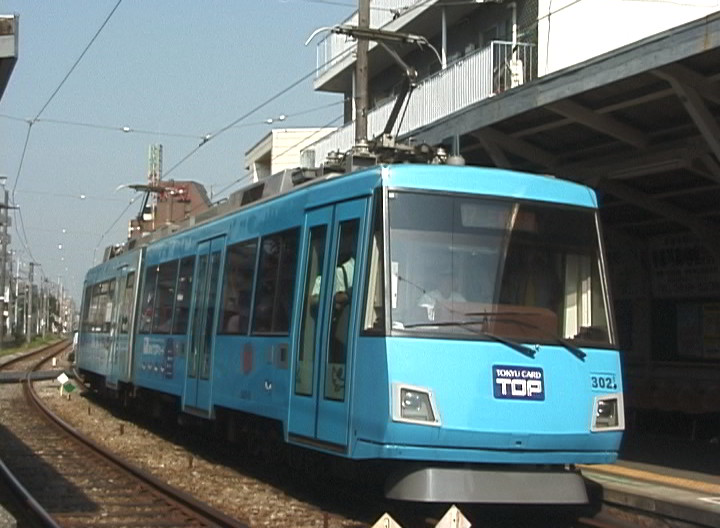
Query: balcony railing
column 489, row 71
column 334, row 48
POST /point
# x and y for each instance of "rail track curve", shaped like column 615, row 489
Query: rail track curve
column 70, row 481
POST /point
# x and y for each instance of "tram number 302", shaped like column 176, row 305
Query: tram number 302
column 603, row 382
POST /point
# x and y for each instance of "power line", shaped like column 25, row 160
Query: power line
column 18, row 214
column 210, row 137
column 273, row 158
column 320, row 130
column 72, row 68
column 133, row 130
column 14, row 118
column 123, row 129
column 22, row 158
column 132, row 200
column 68, row 195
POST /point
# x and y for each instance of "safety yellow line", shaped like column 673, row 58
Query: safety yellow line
column 695, row 485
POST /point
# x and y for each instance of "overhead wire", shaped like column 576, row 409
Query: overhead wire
column 116, row 128
column 274, row 157
column 132, row 201
column 17, row 212
column 208, row 137
column 212, row 136
column 72, row 68
column 68, row 195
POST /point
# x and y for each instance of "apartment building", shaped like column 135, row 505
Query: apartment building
column 479, row 49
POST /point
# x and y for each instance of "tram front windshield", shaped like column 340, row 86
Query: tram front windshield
column 475, row 268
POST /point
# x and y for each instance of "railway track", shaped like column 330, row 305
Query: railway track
column 78, row 488
column 71, row 481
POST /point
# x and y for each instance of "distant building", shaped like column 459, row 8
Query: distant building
column 180, row 200
column 280, row 150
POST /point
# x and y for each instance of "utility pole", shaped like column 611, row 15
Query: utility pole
column 3, row 260
column 17, row 292
column 28, row 316
column 361, row 75
column 59, row 305
column 28, row 334
column 48, row 290
column 5, row 221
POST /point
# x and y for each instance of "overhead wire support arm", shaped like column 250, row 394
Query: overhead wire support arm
column 381, row 37
column 406, row 88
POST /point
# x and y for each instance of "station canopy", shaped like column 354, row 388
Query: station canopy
column 640, row 124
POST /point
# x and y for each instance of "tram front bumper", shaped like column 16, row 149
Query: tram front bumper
column 496, row 485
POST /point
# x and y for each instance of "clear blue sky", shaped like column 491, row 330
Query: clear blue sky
column 182, row 67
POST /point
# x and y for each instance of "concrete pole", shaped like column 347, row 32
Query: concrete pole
column 48, row 290
column 41, row 317
column 361, row 75
column 61, row 313
column 25, row 311
column 17, row 293
column 28, row 335
column 3, row 264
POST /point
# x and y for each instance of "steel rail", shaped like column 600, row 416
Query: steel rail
column 61, row 344
column 26, row 499
column 22, row 495
column 182, row 500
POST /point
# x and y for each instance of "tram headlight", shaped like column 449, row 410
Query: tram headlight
column 414, row 405
column 608, row 413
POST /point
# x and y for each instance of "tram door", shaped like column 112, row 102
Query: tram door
column 320, row 396
column 198, row 382
column 122, row 326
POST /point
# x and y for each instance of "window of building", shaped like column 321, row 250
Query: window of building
column 275, row 283
column 164, row 298
column 237, row 290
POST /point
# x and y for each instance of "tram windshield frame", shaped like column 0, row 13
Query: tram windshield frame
column 477, row 267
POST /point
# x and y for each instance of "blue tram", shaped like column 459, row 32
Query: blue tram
column 453, row 322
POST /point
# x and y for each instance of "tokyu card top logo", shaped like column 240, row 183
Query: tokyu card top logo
column 518, row 383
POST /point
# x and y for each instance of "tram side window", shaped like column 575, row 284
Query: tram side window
column 127, row 303
column 164, row 298
column 237, row 290
column 183, row 295
column 275, row 283
column 375, row 301
column 109, row 301
column 86, row 326
column 148, row 300
column 93, row 310
column 101, row 304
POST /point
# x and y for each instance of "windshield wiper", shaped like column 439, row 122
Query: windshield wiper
column 525, row 350
column 575, row 351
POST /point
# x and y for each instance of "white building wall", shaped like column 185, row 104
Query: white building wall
column 288, row 143
column 572, row 31
column 280, row 150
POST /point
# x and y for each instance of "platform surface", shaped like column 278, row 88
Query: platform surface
column 671, row 477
